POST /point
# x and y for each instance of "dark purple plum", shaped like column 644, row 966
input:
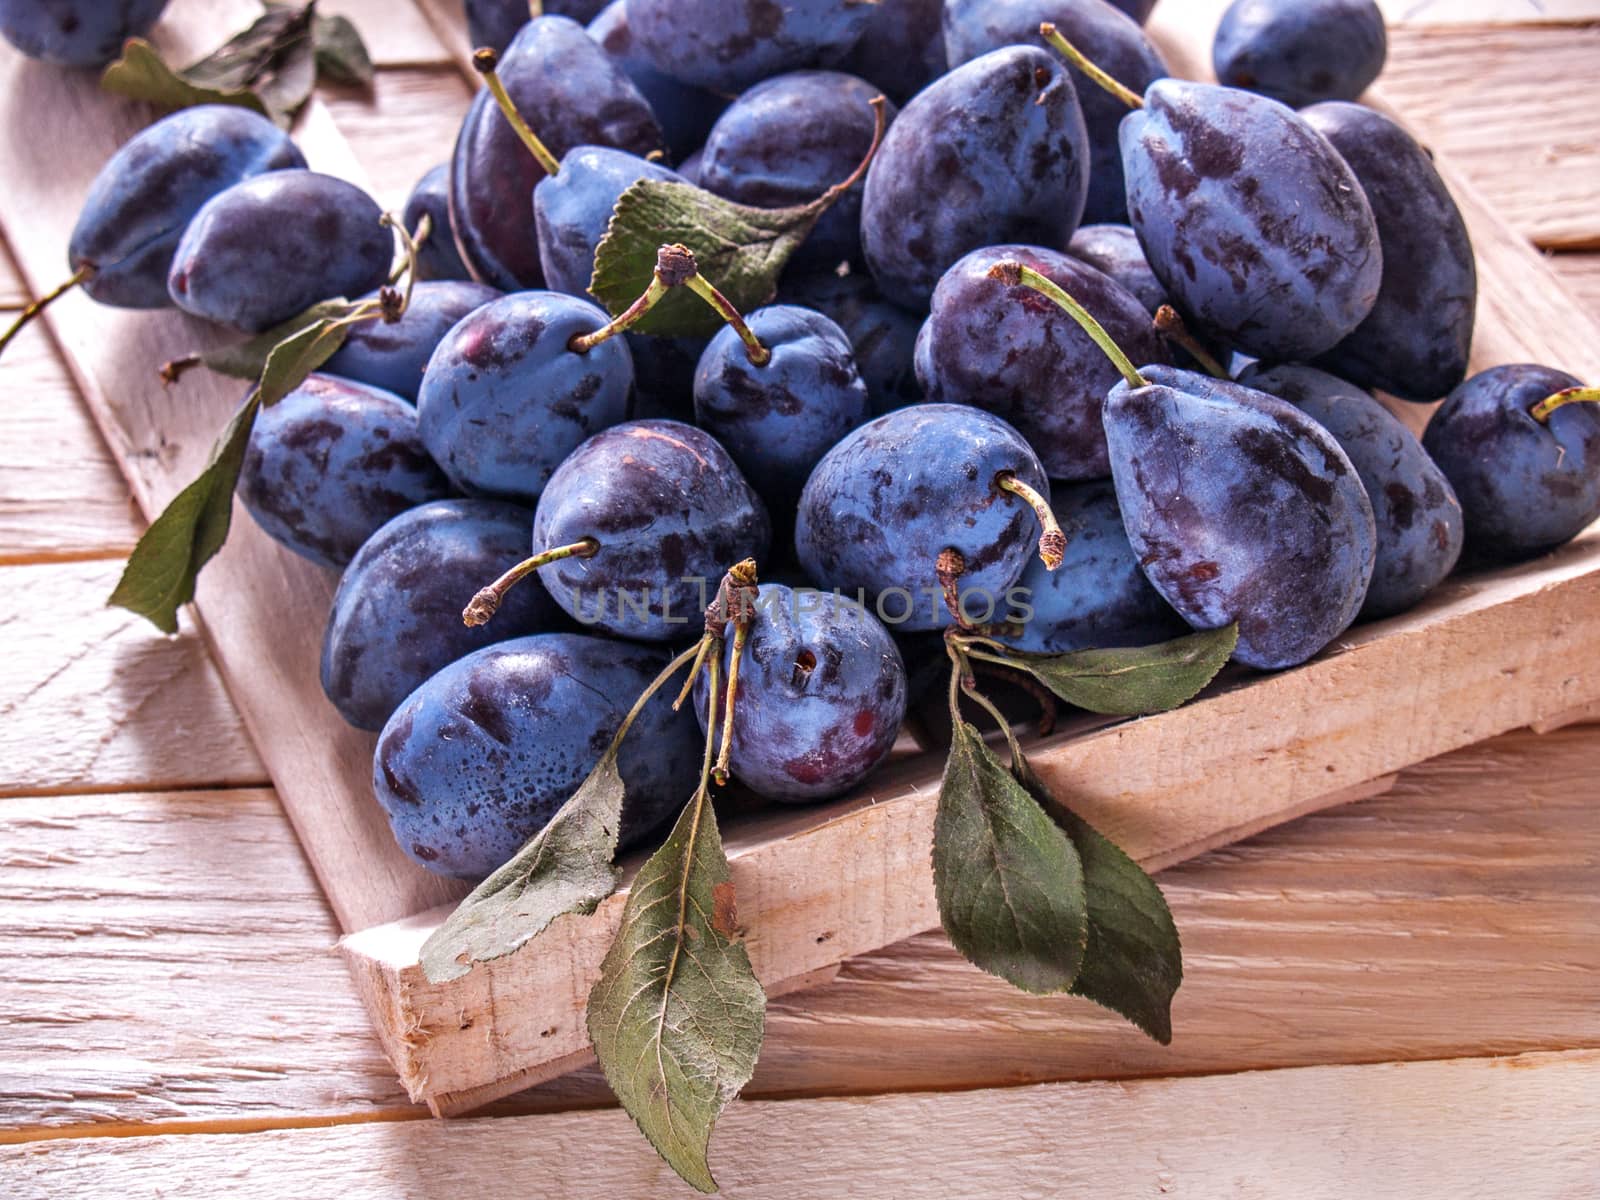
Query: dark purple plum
column 689, row 168
column 1418, row 517
column 663, row 375
column 901, row 51
column 479, row 758
column 822, row 693
column 670, row 513
column 572, row 210
column 1139, row 10
column 1099, row 597
column 1115, row 251
column 396, row 617
column 1254, row 224
column 1110, row 38
column 437, row 258
column 996, row 151
column 393, row 354
column 1010, row 350
column 883, row 336
column 686, row 113
column 1241, row 508
column 884, row 503
column 1416, row 341
column 789, row 139
column 493, row 23
column 505, row 398
column 727, row 45
column 572, row 94
column 778, row 419
column 332, row 462
column 149, row 190
column 76, row 33
column 1526, row 485
column 1301, row 51
column 273, row 245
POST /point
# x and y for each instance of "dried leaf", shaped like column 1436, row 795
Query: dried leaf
column 341, row 54
column 246, row 360
column 1008, row 880
column 141, row 75
column 566, row 868
column 677, row 1015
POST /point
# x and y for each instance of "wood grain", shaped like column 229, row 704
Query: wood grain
column 90, row 701
column 167, row 962
column 1466, row 1129
column 408, row 125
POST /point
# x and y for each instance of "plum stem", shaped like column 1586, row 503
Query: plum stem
column 701, row 649
column 1015, row 274
column 35, row 307
column 741, row 635
column 1052, row 542
column 948, row 569
column 393, row 311
column 880, row 124
column 486, row 61
column 758, row 354
column 963, row 677
column 674, row 264
column 660, row 682
column 735, row 603
column 1541, row 411
column 488, row 600
column 1170, row 326
column 1079, row 59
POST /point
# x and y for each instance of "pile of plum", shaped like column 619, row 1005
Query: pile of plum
column 1142, row 315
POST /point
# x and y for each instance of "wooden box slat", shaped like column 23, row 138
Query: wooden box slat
column 1486, row 654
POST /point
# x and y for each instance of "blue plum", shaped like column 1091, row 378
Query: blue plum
column 396, row 618
column 1099, row 597
column 1008, row 349
column 394, row 354
column 1115, row 250
column 1301, row 51
column 1241, row 508
column 689, row 168
column 572, row 94
column 479, row 758
column 1416, row 341
column 505, row 398
column 727, row 45
column 1111, row 39
column 1254, row 224
column 332, row 462
column 996, row 151
column 76, row 33
column 789, row 139
column 493, row 23
column 882, row 335
column 438, row 257
column 822, row 693
column 572, row 210
column 1139, row 10
column 149, row 190
column 883, row 504
column 275, row 244
column 901, row 51
column 1526, row 485
column 777, row 420
column 1419, row 521
column 670, row 513
column 686, row 112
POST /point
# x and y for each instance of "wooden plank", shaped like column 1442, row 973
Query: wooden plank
column 256, row 595
column 859, row 880
column 407, row 127
column 1488, row 12
column 61, row 494
column 1580, row 273
column 1531, row 145
column 89, row 701
column 167, row 962
column 1469, row 1129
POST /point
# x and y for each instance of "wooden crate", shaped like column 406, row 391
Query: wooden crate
column 1487, row 653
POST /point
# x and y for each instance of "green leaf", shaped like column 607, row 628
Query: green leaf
column 341, row 54
column 1133, row 963
column 299, row 354
column 161, row 571
column 246, row 360
column 566, row 868
column 677, row 1015
column 1009, row 883
column 1131, row 682
column 141, row 75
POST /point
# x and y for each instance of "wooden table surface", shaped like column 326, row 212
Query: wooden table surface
column 1398, row 998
